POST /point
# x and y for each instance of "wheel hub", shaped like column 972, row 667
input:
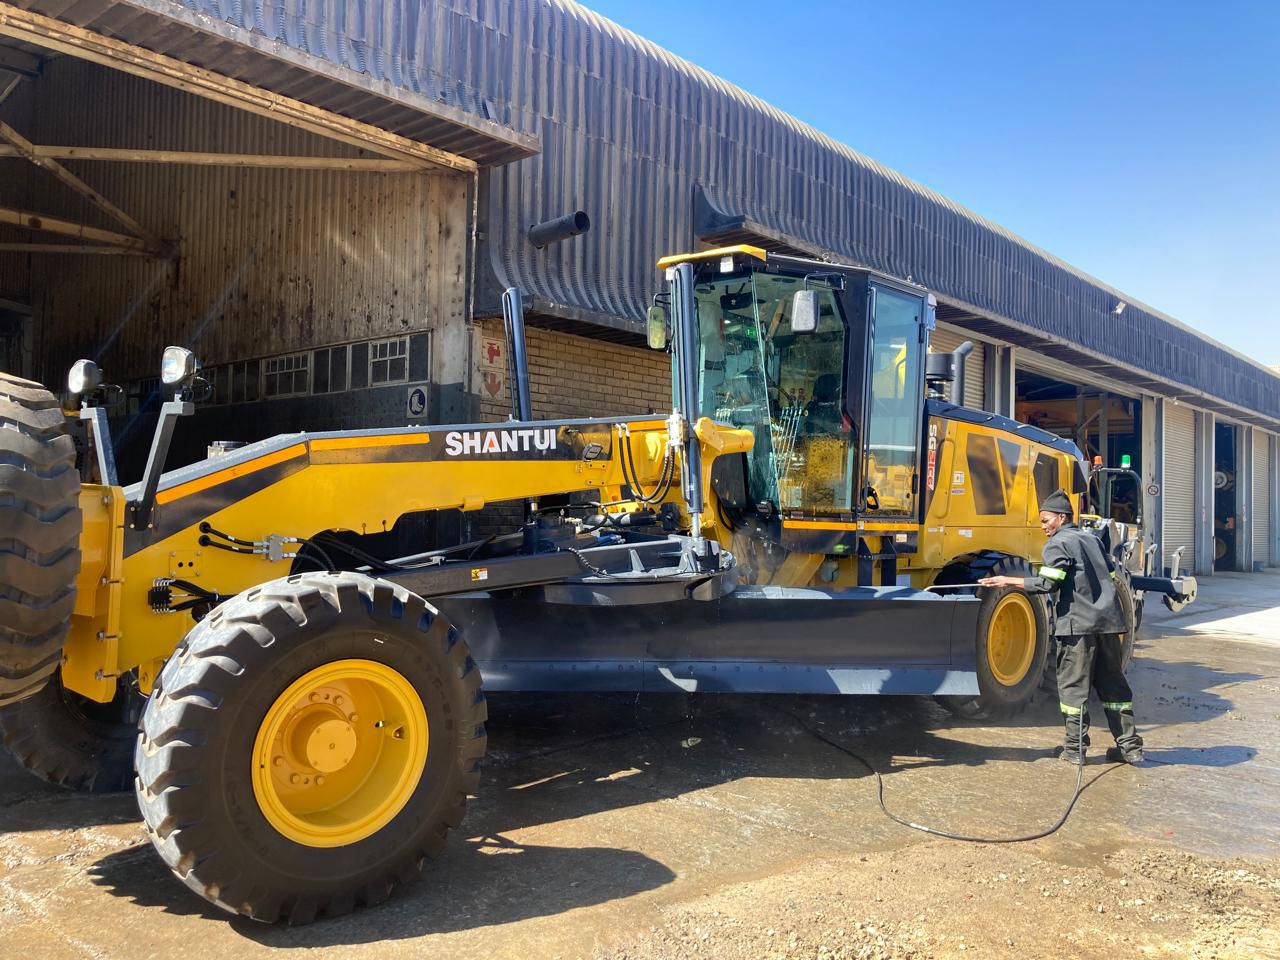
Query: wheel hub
column 339, row 753
column 1011, row 639
column 325, row 744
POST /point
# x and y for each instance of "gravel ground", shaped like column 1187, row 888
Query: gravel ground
column 990, row 901
column 625, row 828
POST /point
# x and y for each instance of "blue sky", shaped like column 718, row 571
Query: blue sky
column 1138, row 141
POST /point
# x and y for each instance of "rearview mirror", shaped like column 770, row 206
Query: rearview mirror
column 657, row 327
column 804, row 311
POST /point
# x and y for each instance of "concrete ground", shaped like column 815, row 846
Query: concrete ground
column 722, row 827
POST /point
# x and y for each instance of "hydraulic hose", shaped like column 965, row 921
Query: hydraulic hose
column 1081, row 787
column 629, row 474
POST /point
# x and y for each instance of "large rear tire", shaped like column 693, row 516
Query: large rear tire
column 39, row 536
column 1132, row 615
column 309, row 745
column 72, row 741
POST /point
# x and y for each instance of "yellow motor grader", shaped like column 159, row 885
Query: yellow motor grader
column 812, row 517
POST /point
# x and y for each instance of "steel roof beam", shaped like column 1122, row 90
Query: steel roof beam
column 85, row 44
column 35, row 221
column 27, row 149
column 272, row 161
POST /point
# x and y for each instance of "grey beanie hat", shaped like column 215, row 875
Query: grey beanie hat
column 1057, row 502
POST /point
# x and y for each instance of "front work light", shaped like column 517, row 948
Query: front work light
column 85, row 377
column 179, row 366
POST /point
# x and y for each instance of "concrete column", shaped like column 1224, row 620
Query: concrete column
column 1244, row 498
column 1000, row 380
column 1153, row 472
column 1273, row 491
column 1203, row 565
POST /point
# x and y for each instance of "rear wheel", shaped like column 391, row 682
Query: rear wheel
column 309, row 745
column 1012, row 649
column 39, row 536
column 1131, row 613
column 73, row 741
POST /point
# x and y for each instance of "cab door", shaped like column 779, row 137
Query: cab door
column 894, row 403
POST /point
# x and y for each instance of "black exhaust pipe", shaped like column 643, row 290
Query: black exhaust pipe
column 957, row 385
column 561, row 228
column 517, row 358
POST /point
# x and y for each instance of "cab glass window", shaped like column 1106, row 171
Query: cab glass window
column 894, row 407
column 786, row 387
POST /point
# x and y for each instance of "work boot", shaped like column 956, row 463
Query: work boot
column 1076, row 739
column 1121, row 755
column 1071, row 755
column 1128, row 748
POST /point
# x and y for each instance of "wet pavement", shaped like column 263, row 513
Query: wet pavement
column 599, row 816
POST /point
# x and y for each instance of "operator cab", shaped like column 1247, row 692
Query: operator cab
column 836, row 404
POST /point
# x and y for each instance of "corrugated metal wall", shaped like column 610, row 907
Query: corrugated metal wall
column 945, row 339
column 272, row 260
column 15, row 179
column 1178, row 493
column 1260, row 509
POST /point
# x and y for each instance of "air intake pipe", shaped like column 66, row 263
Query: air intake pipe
column 561, row 228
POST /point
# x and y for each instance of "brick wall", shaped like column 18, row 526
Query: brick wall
column 578, row 377
column 573, row 377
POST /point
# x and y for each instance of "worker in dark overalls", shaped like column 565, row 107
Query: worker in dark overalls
column 1079, row 576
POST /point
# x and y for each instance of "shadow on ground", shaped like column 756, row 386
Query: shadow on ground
column 560, row 758
column 477, row 883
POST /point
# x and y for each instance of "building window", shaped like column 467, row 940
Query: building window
column 389, row 361
column 329, row 370
column 244, row 381
column 287, row 376
column 219, row 378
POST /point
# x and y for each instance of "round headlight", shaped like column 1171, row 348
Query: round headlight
column 85, row 377
column 178, row 364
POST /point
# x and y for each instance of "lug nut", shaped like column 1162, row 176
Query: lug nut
column 294, row 778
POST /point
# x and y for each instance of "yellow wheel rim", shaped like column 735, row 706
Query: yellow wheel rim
column 1011, row 639
column 340, row 753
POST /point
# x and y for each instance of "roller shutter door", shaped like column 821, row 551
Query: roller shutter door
column 1261, row 507
column 944, row 340
column 1178, row 498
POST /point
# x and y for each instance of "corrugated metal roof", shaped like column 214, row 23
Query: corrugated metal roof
column 632, row 134
column 372, row 61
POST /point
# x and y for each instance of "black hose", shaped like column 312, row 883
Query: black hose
column 629, row 474
column 314, row 547
column 209, row 542
column 355, row 553
column 1081, row 787
column 207, row 527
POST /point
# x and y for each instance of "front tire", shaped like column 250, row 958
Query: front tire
column 309, row 745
